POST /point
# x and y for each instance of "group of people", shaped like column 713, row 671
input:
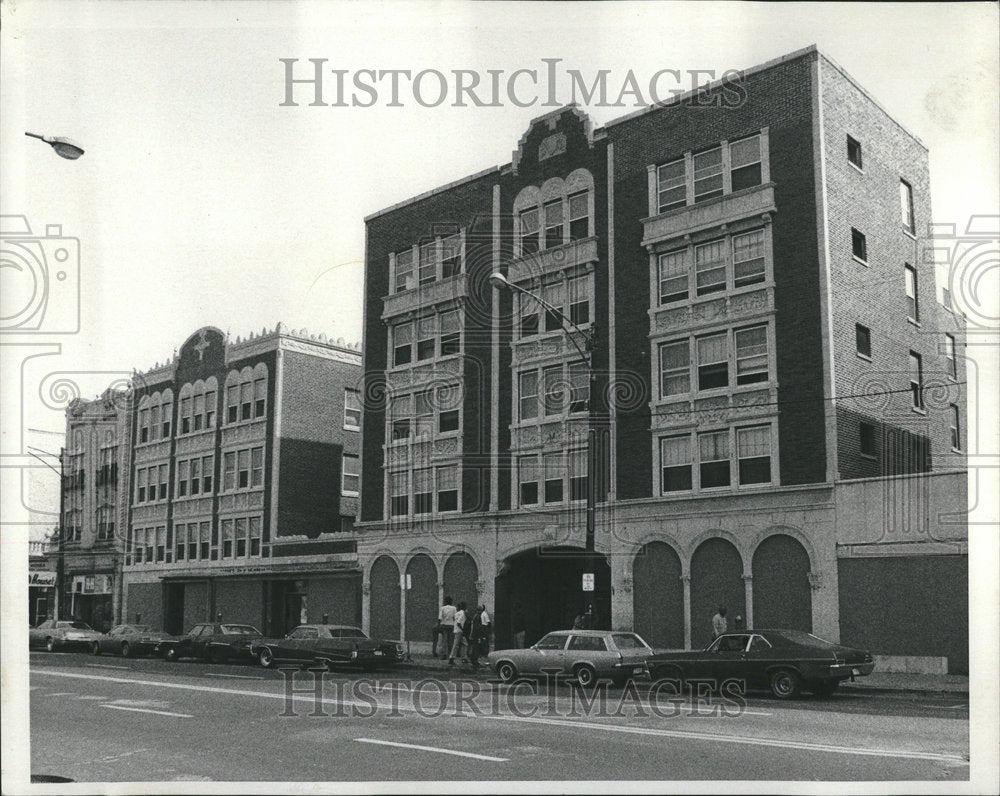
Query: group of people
column 461, row 634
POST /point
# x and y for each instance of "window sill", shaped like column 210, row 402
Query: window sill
column 909, row 233
column 869, row 457
column 201, row 431
column 352, row 428
column 421, row 363
column 241, row 490
column 350, row 494
column 956, row 450
column 200, row 495
column 859, row 260
column 913, row 322
column 918, row 411
column 856, row 167
column 693, row 301
column 865, row 357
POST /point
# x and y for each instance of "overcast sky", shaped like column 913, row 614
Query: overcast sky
column 201, row 201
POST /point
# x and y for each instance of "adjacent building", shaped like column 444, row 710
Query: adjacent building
column 243, row 483
column 757, row 380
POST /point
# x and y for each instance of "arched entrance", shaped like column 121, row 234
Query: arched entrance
column 658, row 596
column 460, row 576
column 782, row 596
column 716, row 579
column 383, row 606
column 421, row 598
column 547, row 582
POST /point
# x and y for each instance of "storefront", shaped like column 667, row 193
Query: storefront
column 91, row 599
column 41, row 595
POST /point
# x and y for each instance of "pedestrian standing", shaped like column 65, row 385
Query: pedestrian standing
column 446, row 628
column 461, row 640
column 518, row 625
column 487, row 623
column 475, row 636
column 719, row 623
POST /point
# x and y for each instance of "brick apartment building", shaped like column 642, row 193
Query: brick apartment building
column 776, row 393
column 244, row 483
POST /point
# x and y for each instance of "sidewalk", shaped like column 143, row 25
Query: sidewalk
column 877, row 682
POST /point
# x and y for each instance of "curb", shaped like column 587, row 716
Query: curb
column 885, row 689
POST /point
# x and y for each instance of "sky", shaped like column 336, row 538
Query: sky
column 202, row 201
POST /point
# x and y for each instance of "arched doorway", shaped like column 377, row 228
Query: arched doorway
column 547, row 582
column 716, row 579
column 421, row 598
column 460, row 576
column 782, row 596
column 658, row 596
column 383, row 607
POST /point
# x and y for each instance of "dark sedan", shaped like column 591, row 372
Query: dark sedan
column 219, row 641
column 785, row 661
column 131, row 640
column 327, row 645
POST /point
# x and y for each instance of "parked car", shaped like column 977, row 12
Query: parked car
column 586, row 655
column 54, row 635
column 785, row 661
column 213, row 641
column 131, row 640
column 330, row 645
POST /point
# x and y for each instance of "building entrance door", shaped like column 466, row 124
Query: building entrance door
column 288, row 606
column 173, row 616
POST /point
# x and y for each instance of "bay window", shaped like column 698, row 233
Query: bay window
column 675, row 368
column 753, row 446
column 673, row 276
column 447, row 488
column 751, row 355
column 675, row 464
column 713, row 362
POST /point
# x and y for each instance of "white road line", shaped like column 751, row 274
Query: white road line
column 572, row 724
column 433, row 749
column 60, row 693
column 234, row 676
column 94, row 698
column 105, row 666
column 147, row 710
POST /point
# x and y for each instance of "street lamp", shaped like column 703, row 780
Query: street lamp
column 500, row 282
column 64, row 147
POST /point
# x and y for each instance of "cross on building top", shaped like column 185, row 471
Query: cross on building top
column 201, row 345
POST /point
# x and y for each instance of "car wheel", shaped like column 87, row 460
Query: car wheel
column 825, row 688
column 585, row 675
column 96, row 648
column 785, row 683
column 506, row 671
column 266, row 657
column 126, row 650
column 50, row 644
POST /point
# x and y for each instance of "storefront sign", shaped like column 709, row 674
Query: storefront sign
column 45, row 579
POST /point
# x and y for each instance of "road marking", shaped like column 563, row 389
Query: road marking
column 572, row 724
column 234, row 676
column 106, row 666
column 95, row 698
column 436, row 749
column 61, row 693
column 147, row 710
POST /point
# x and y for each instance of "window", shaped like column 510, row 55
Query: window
column 675, row 464
column 243, row 468
column 399, row 502
column 949, row 355
column 161, row 543
column 227, row 538
column 447, row 488
column 744, row 159
column 450, row 333
column 257, row 463
column 528, row 395
column 168, row 411
column 164, row 480
column 916, row 381
column 352, row 410
column 588, row 643
column 552, row 464
column 256, row 526
column 351, row 485
column 529, row 231
column 527, row 477
column 259, row 397
column 400, row 412
column 912, row 299
column 552, row 642
column 451, row 256
column 713, row 362
column 710, row 267
column 206, row 533
column 241, row 537
column 579, row 300
column 956, row 428
column 708, row 175
column 673, row 276
column 143, row 425
column 426, row 337
column 906, row 206
column 423, row 414
column 748, row 258
column 529, row 315
column 232, row 403
column 402, row 343
column 403, row 278
column 854, row 152
column 448, row 419
column 553, row 223
column 553, row 390
column 578, row 475
column 866, row 431
column 713, row 450
column 671, row 179
column 180, row 540
column 195, row 476
column 554, row 294
column 579, row 215
column 675, row 368
column 863, row 340
column 751, row 355
column 579, row 387
column 229, row 472
column 154, row 422
column 428, row 263
column 753, row 448
column 859, row 246
column 183, row 472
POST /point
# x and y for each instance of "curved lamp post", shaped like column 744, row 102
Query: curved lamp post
column 499, row 281
column 64, row 147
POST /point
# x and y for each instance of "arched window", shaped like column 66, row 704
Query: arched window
column 558, row 212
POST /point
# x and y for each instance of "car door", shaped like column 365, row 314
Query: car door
column 200, row 634
column 37, row 635
column 587, row 649
column 729, row 657
column 550, row 653
column 760, row 655
column 107, row 643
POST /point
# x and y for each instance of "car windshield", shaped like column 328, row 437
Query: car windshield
column 352, row 632
column 75, row 625
column 806, row 639
column 629, row 641
column 240, row 630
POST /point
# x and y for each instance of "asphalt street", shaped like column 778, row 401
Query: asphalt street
column 115, row 720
